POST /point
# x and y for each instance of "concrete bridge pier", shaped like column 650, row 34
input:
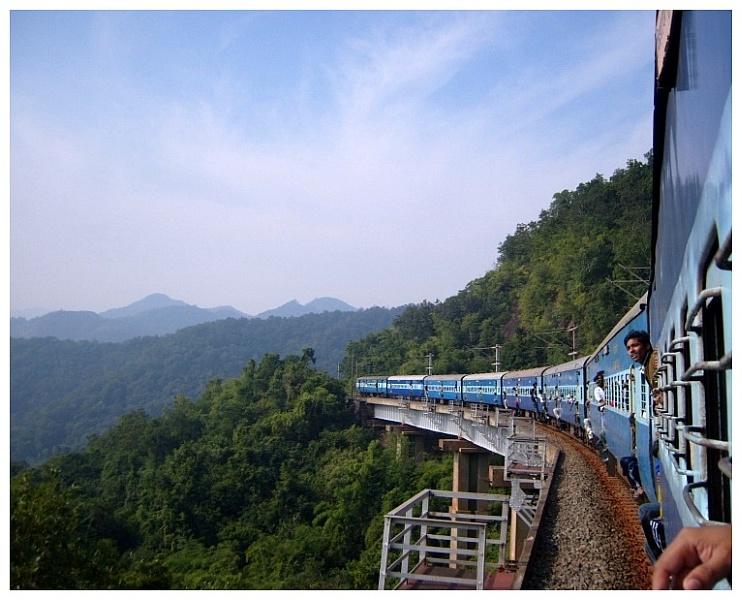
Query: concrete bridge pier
column 396, row 434
column 470, row 474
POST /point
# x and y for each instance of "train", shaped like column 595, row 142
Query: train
column 682, row 439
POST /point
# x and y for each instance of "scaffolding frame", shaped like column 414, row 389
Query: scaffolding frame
column 465, row 545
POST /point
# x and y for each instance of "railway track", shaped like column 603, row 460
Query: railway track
column 590, row 537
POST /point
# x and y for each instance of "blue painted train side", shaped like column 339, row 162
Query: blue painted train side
column 624, row 421
column 482, row 388
column 405, row 386
column 523, row 390
column 372, row 386
column 444, row 388
column 690, row 298
column 564, row 389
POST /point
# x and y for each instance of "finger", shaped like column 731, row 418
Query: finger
column 675, row 561
column 705, row 575
column 678, row 579
column 660, row 578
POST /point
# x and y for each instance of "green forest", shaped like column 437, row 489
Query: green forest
column 62, row 391
column 573, row 266
column 263, row 482
column 267, row 480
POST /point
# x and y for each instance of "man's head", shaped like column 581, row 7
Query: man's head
column 637, row 345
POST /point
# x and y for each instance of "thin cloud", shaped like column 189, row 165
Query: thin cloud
column 369, row 163
column 402, row 68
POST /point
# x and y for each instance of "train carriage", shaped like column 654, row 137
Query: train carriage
column 521, row 389
column 564, row 388
column 372, row 386
column 443, row 388
column 405, row 386
column 690, row 298
column 627, row 393
column 483, row 388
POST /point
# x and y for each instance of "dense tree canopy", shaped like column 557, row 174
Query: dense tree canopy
column 62, row 391
column 263, row 482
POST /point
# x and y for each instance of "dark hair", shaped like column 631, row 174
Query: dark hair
column 642, row 336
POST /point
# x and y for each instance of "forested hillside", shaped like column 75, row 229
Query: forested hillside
column 63, row 391
column 263, row 482
column 550, row 274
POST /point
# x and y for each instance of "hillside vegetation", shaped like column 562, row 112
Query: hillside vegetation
column 263, row 482
column 63, row 391
column 549, row 274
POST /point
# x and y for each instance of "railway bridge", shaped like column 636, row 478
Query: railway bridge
column 480, row 534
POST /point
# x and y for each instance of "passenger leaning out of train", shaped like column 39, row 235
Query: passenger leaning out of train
column 630, row 465
column 640, row 350
column 697, row 559
column 599, row 391
column 557, row 410
column 541, row 395
column 535, row 401
column 517, row 401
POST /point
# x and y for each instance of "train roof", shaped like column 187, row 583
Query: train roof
column 632, row 313
column 448, row 377
column 577, row 363
column 497, row 375
column 406, row 377
column 525, row 372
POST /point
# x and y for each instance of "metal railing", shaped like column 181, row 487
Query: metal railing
column 526, row 457
column 417, row 538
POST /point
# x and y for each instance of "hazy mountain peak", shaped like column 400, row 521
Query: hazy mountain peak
column 155, row 314
column 150, row 302
column 29, row 313
column 293, row 308
column 327, row 303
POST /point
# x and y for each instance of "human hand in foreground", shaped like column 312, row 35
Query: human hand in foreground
column 697, row 558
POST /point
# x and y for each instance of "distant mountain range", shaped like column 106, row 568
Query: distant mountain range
column 318, row 306
column 156, row 314
column 63, row 391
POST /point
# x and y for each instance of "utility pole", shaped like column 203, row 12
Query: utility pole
column 496, row 348
column 573, row 328
column 429, row 356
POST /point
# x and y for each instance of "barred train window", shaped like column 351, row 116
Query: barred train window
column 717, row 426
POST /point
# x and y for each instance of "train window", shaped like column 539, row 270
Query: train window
column 671, row 396
column 719, row 488
column 625, row 398
column 623, row 393
column 685, row 404
column 613, row 398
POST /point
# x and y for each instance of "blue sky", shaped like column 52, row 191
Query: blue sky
column 248, row 158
